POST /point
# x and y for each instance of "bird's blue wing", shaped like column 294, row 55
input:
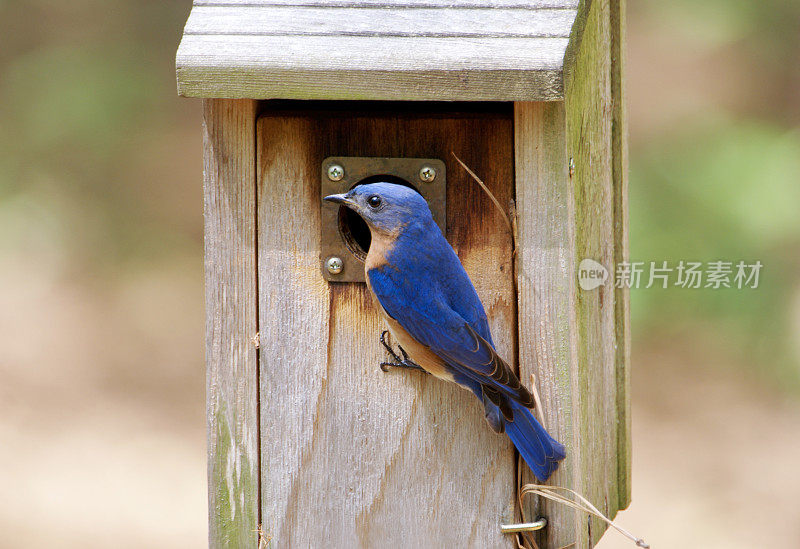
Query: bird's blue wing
column 424, row 312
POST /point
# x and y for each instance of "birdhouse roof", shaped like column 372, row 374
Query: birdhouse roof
column 461, row 50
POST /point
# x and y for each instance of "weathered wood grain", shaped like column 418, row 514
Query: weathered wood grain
column 379, row 22
column 589, row 111
column 358, row 67
column 460, row 4
column 546, row 288
column 619, row 150
column 577, row 341
column 493, row 50
column 353, row 457
column 230, row 271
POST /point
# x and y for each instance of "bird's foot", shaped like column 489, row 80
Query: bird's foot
column 404, row 362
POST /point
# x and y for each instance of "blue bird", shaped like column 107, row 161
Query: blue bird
column 434, row 312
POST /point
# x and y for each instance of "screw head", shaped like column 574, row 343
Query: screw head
column 335, row 172
column 334, row 265
column 427, row 174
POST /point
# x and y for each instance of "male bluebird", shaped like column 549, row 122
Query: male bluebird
column 433, row 310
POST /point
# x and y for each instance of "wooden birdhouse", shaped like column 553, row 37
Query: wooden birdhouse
column 309, row 441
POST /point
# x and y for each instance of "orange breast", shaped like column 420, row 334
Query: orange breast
column 418, row 352
column 379, row 248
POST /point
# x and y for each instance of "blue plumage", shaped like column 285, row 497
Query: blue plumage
column 435, row 312
column 539, row 450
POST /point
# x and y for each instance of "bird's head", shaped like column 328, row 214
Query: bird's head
column 385, row 207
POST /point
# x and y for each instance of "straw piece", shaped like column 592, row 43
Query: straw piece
column 585, row 505
column 538, row 402
column 263, row 538
column 487, row 191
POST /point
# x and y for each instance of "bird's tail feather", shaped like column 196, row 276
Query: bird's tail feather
column 539, row 450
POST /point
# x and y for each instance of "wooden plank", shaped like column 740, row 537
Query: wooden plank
column 379, row 22
column 619, row 149
column 230, row 270
column 546, row 264
column 578, row 340
column 589, row 107
column 415, row 4
column 360, row 53
column 492, row 50
column 351, row 455
column 358, row 67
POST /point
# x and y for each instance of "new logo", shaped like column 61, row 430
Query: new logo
column 591, row 274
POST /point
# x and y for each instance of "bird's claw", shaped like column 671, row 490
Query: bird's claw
column 405, row 362
column 388, row 348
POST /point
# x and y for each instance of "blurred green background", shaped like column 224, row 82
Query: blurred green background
column 101, row 323
column 715, row 172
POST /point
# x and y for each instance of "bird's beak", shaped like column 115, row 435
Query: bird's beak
column 339, row 199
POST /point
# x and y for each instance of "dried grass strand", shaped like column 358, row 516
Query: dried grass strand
column 487, row 191
column 263, row 538
column 584, row 505
column 537, row 401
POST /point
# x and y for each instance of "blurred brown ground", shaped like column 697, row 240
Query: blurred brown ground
column 102, row 434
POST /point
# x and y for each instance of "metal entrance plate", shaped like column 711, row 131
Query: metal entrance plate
column 345, row 237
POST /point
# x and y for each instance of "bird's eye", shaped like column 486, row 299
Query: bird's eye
column 374, row 201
